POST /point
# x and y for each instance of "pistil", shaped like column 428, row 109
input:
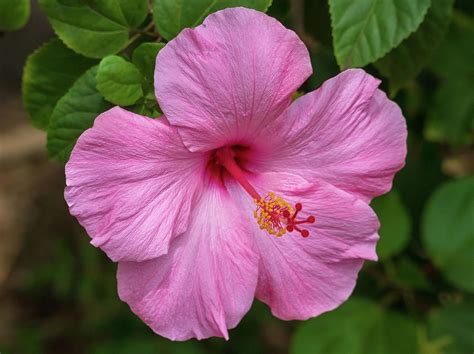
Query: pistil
column 273, row 214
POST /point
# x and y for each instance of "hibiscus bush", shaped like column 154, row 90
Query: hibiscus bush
column 416, row 298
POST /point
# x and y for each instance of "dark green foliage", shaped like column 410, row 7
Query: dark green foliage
column 357, row 327
column 448, row 231
column 74, row 113
column 49, row 73
column 14, row 14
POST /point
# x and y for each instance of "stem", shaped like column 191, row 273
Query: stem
column 139, row 33
column 131, row 40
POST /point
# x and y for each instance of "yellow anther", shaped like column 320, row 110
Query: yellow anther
column 269, row 214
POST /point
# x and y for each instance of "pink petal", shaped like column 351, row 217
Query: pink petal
column 223, row 81
column 347, row 133
column 206, row 283
column 301, row 277
column 130, row 182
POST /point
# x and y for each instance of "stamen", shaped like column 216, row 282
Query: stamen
column 273, row 214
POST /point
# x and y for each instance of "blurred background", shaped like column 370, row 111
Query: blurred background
column 58, row 293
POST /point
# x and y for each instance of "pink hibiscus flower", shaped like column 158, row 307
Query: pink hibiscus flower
column 238, row 193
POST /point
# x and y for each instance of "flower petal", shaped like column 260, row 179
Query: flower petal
column 206, row 283
column 301, row 277
column 226, row 79
column 347, row 133
column 130, row 182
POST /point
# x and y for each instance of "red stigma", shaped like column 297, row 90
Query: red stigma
column 292, row 223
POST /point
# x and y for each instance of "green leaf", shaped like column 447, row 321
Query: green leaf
column 453, row 325
column 448, row 231
column 406, row 61
column 365, row 30
column 357, row 327
column 172, row 16
column 95, row 28
column 119, row 81
column 451, row 116
column 144, row 57
column 14, row 14
column 74, row 113
column 49, row 72
column 395, row 224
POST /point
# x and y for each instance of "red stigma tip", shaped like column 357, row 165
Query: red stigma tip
column 276, row 216
column 292, row 223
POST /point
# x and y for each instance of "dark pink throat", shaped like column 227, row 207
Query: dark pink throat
column 273, row 214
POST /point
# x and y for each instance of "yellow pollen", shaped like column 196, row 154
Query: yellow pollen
column 269, row 214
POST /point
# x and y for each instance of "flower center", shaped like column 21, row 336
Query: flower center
column 273, row 214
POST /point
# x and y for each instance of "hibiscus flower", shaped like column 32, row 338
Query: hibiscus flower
column 236, row 192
